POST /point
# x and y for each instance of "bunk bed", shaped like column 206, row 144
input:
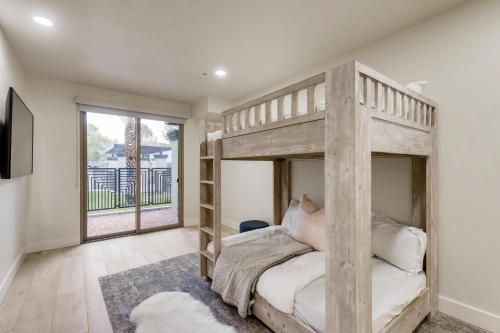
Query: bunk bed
column 343, row 116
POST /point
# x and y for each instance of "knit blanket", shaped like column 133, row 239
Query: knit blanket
column 239, row 266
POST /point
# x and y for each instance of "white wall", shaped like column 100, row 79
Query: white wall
column 247, row 190
column 54, row 213
column 200, row 108
column 209, row 104
column 13, row 193
column 218, row 105
column 391, row 184
column 391, row 187
column 191, row 173
column 459, row 53
column 308, row 178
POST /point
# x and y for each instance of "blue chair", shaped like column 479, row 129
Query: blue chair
column 252, row 225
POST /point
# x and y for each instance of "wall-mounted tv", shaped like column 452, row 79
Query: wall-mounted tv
column 16, row 158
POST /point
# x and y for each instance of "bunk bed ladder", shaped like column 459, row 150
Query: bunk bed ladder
column 210, row 207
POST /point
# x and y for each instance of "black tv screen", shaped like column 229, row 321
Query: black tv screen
column 17, row 138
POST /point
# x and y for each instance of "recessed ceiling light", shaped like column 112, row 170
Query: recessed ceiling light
column 220, row 73
column 43, row 21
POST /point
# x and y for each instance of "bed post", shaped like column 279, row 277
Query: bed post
column 286, row 186
column 347, row 204
column 418, row 191
column 281, row 188
column 431, row 219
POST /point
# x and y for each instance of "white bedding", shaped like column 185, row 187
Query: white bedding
column 392, row 291
column 297, row 286
column 279, row 284
column 243, row 237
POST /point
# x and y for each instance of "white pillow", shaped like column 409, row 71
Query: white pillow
column 290, row 218
column 398, row 244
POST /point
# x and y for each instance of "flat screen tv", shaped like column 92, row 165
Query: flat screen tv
column 16, row 158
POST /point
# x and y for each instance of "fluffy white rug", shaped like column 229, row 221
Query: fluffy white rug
column 175, row 312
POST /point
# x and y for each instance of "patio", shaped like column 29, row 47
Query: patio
column 111, row 197
column 110, row 223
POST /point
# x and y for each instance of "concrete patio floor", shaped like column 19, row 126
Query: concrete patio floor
column 106, row 224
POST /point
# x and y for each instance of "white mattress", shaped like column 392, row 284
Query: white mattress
column 392, row 291
column 392, row 288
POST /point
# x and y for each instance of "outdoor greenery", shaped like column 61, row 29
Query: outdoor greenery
column 106, row 199
column 96, row 143
column 147, row 135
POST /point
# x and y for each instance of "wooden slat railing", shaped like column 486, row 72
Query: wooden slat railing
column 232, row 118
column 385, row 98
column 391, row 101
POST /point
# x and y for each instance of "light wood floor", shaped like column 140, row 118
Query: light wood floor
column 58, row 290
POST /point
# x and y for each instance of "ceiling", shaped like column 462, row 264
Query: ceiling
column 161, row 48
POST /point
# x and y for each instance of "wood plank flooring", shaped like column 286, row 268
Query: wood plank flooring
column 58, row 291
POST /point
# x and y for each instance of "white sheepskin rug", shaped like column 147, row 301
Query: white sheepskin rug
column 175, row 312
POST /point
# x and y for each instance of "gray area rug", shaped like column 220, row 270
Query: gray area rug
column 125, row 290
column 444, row 324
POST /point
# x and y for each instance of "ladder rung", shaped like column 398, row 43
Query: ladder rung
column 207, row 206
column 207, row 230
column 206, row 157
column 207, row 255
column 210, row 182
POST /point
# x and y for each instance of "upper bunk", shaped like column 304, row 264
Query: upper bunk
column 291, row 121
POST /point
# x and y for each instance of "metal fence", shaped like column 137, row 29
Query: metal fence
column 112, row 188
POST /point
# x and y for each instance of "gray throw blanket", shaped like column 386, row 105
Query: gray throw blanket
column 239, row 266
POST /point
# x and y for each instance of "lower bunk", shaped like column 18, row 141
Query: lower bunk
column 290, row 296
column 406, row 321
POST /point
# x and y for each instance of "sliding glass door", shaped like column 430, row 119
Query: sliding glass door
column 159, row 175
column 130, row 172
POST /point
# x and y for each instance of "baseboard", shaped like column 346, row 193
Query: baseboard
column 4, row 286
column 470, row 314
column 51, row 244
column 191, row 222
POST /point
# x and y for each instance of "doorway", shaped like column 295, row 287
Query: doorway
column 131, row 175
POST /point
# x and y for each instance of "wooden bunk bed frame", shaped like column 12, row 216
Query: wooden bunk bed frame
column 366, row 114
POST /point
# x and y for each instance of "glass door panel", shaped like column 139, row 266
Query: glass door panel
column 111, row 151
column 159, row 150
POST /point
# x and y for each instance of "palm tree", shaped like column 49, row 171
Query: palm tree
column 130, row 154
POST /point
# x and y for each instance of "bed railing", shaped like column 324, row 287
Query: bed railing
column 266, row 111
column 383, row 97
column 388, row 100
